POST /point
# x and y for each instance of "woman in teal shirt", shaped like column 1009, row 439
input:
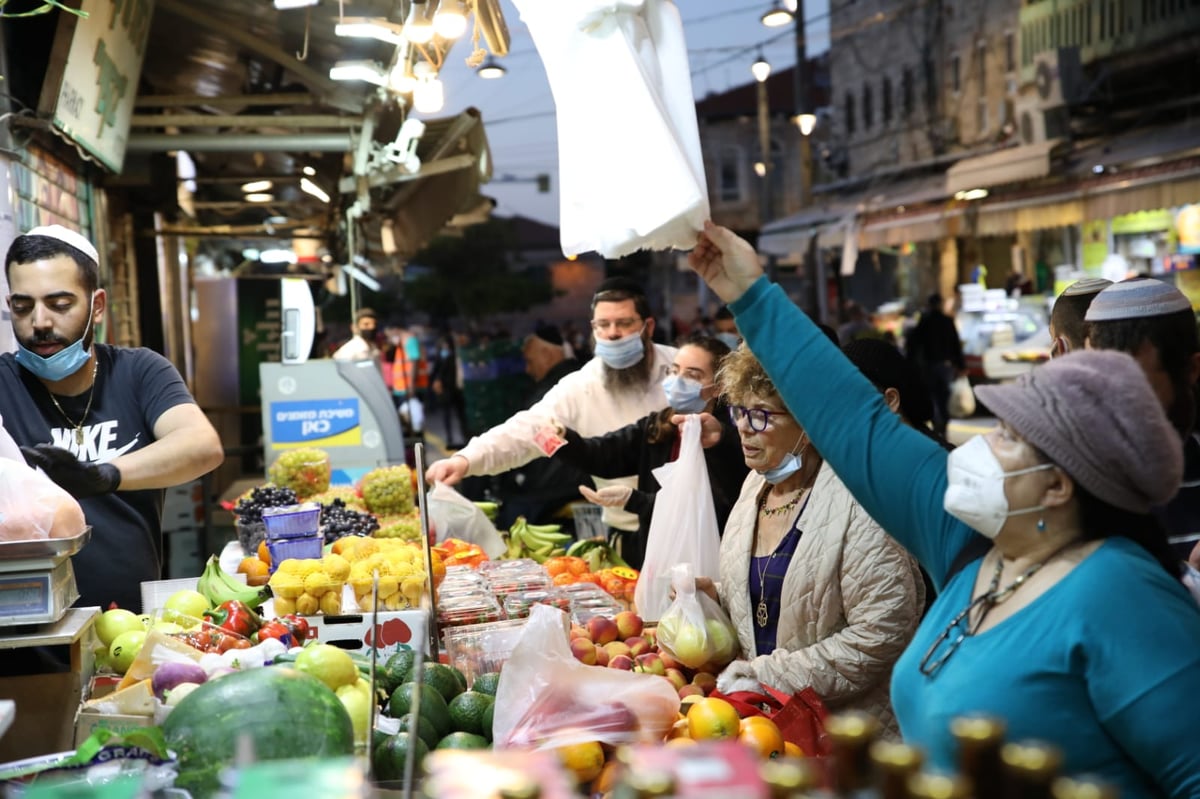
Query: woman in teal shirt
column 1073, row 626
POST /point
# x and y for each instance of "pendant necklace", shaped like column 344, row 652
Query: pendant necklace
column 87, row 409
column 762, row 615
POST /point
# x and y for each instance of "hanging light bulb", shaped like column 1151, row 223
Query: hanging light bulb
column 429, row 96
column 776, row 16
column 450, row 21
column 490, row 69
column 401, row 79
column 806, row 123
column 761, row 69
column 418, row 25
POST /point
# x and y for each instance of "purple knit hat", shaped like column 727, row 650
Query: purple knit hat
column 1093, row 413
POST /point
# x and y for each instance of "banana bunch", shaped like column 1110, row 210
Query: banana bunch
column 490, row 509
column 537, row 541
column 218, row 586
column 598, row 554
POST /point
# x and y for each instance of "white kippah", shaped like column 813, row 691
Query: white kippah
column 67, row 236
column 1088, row 285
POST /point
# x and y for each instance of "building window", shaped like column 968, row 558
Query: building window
column 729, row 172
column 1010, row 51
column 955, row 77
column 868, row 101
column 850, row 124
column 885, row 99
column 906, row 92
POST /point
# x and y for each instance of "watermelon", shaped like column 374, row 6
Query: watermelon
column 286, row 714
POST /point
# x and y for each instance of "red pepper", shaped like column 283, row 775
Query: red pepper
column 277, row 630
column 235, row 617
column 298, row 625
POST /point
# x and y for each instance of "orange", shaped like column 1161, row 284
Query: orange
column 607, row 779
column 264, row 554
column 791, row 750
column 712, row 719
column 585, row 760
column 565, row 578
column 761, row 734
column 257, row 572
column 555, row 566
column 678, row 730
column 681, row 741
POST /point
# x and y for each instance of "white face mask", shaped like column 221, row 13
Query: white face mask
column 975, row 493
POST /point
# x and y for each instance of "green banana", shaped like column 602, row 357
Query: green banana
column 580, row 548
column 540, row 537
column 218, row 586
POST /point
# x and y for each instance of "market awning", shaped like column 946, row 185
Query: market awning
column 789, row 237
column 1012, row 165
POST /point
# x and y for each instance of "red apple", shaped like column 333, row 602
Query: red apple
column 584, row 651
column 628, row 623
column 578, row 631
column 602, row 629
column 705, row 681
column 602, row 656
column 618, row 648
column 676, row 678
column 637, row 645
column 650, row 663
column 690, row 690
column 622, row 662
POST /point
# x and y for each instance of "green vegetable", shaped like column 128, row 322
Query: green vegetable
column 466, row 711
column 433, row 706
column 388, row 758
column 285, row 713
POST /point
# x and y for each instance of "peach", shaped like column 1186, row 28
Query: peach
column 578, row 631
column 602, row 629
column 584, row 651
column 669, row 661
column 691, row 690
column 622, row 662
column 675, row 677
column 651, row 635
column 629, row 624
column 602, row 656
column 618, row 648
column 650, row 663
column 637, row 645
column 706, row 682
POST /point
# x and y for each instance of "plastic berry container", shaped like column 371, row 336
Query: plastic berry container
column 458, row 611
column 518, row 603
column 503, row 585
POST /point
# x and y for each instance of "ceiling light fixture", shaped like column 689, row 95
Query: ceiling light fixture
column 450, row 21
column 971, row 194
column 286, row 5
column 308, row 187
column 490, row 69
column 369, row 71
column 418, row 25
column 401, row 79
column 308, row 170
column 259, row 197
column 429, row 96
column 761, row 69
column 777, row 16
column 369, row 28
column 806, row 122
column 256, row 185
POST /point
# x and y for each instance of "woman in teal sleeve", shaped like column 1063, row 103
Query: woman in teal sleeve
column 1072, row 626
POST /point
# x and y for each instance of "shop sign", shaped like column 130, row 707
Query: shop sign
column 316, row 423
column 1142, row 222
column 1187, row 227
column 49, row 193
column 100, row 80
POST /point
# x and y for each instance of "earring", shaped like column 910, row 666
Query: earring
column 1041, row 525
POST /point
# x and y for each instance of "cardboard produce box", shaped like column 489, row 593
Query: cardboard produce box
column 396, row 630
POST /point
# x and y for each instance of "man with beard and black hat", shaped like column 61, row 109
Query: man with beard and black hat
column 113, row 426
column 620, row 385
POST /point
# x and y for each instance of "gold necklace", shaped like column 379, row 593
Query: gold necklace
column 779, row 509
column 87, row 409
column 762, row 615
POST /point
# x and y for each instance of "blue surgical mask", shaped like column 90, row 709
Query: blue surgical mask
column 622, row 353
column 63, row 363
column 730, row 340
column 791, row 463
column 683, row 394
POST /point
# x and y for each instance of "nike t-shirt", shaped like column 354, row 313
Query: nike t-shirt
column 134, row 387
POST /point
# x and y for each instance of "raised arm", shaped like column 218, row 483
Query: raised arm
column 611, row 455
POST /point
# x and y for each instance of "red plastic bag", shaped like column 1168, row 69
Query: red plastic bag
column 547, row 698
column 799, row 716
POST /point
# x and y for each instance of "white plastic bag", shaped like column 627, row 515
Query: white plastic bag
column 33, row 507
column 683, row 528
column 454, row 516
column 962, row 399
column 547, row 698
column 695, row 630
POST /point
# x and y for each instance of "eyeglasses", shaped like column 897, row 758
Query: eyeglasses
column 960, row 628
column 622, row 326
column 758, row 418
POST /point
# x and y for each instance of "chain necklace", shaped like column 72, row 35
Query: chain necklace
column 779, row 509
column 87, row 409
column 762, row 615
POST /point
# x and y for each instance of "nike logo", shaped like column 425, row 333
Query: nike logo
column 98, row 445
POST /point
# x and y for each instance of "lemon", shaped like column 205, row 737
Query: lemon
column 329, row 664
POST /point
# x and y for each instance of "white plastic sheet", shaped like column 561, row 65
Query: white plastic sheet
column 630, row 168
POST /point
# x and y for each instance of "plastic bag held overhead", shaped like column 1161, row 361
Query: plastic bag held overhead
column 683, row 528
column 630, row 167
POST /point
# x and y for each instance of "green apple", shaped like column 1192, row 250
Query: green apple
column 114, row 622
column 125, row 649
column 186, row 603
column 167, row 627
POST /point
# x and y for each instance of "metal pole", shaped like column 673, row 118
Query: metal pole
column 764, row 149
column 800, row 89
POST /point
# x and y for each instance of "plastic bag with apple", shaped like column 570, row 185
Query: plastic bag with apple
column 695, row 630
column 546, row 698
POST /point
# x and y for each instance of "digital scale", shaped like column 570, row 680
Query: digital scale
column 37, row 582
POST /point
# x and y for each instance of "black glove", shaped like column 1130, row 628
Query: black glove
column 81, row 480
